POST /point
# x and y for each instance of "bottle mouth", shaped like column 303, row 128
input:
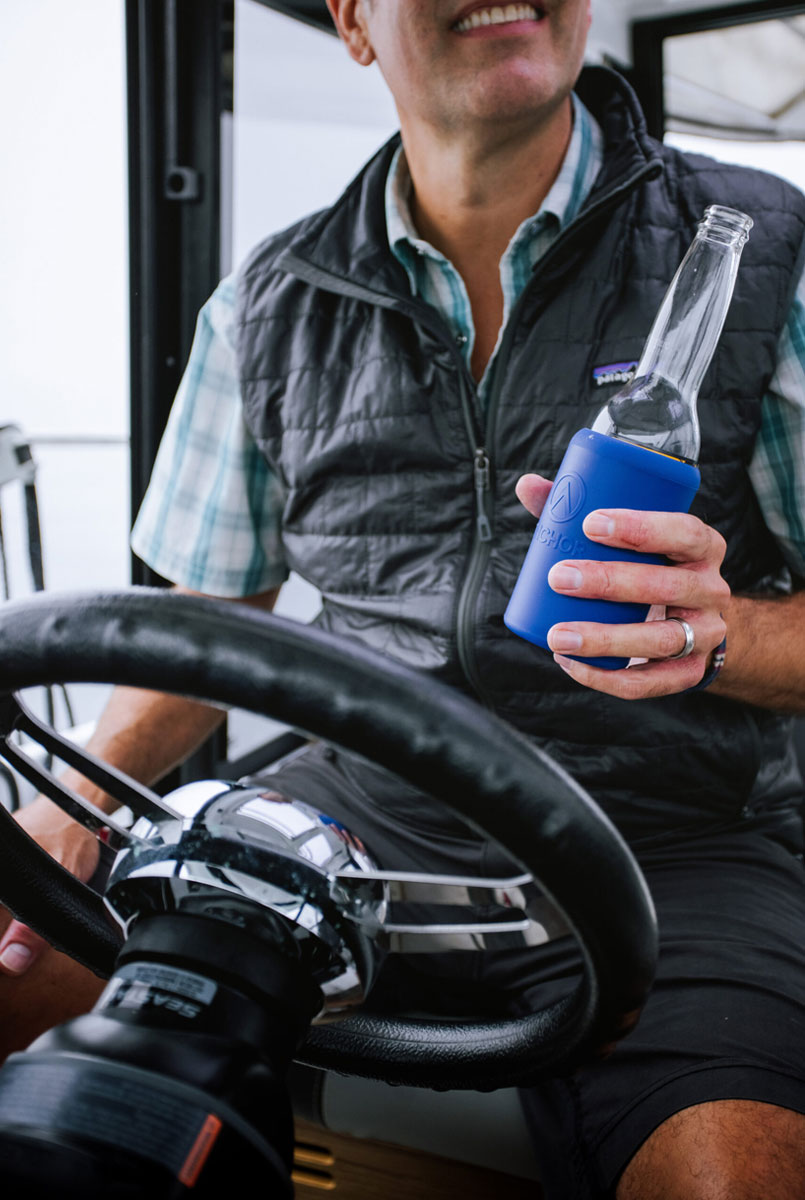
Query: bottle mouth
column 726, row 224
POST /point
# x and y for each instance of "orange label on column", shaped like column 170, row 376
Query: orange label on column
column 200, row 1150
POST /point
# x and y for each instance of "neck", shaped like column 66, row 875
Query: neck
column 471, row 194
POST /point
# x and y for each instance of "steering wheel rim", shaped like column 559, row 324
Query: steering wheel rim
column 431, row 736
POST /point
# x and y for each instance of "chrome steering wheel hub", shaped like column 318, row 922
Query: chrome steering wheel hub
column 232, row 850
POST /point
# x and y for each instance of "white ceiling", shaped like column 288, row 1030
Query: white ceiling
column 754, row 79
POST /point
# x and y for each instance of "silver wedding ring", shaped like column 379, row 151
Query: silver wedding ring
column 690, row 638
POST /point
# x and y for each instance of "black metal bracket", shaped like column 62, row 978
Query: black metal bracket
column 310, row 12
column 179, row 182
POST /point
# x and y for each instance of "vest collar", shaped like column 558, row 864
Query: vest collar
column 345, row 249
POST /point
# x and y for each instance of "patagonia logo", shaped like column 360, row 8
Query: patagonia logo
column 622, row 372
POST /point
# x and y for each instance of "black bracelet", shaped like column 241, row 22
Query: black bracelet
column 718, row 662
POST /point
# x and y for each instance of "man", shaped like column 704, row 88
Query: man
column 379, row 377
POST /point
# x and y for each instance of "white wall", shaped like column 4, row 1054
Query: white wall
column 306, row 118
column 63, row 290
column 63, row 297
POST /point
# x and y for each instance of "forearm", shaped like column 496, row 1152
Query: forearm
column 765, row 662
column 145, row 734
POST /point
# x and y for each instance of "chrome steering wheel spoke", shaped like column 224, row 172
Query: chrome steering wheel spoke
column 511, row 905
column 17, row 718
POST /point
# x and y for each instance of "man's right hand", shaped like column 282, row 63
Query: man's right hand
column 71, row 845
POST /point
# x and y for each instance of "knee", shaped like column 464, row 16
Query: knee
column 722, row 1150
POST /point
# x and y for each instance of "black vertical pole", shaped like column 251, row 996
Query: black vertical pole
column 176, row 94
column 178, row 60
column 647, row 74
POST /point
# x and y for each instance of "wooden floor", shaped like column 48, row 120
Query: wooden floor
column 354, row 1169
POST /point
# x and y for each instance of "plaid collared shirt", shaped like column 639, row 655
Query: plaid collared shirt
column 211, row 518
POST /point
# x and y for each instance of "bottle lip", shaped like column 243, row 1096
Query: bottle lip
column 718, row 219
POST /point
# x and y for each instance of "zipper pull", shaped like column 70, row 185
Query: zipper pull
column 481, row 472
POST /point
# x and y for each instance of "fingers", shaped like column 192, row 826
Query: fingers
column 693, row 580
column 643, row 682
column 679, row 536
column 640, row 583
column 690, row 587
column 53, row 991
column 532, row 492
column 20, row 947
column 72, row 846
column 650, row 639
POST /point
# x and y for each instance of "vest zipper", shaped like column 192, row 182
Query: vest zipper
column 473, row 576
column 481, row 476
column 482, row 536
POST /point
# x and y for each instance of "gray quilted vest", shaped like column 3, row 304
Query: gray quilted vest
column 399, row 492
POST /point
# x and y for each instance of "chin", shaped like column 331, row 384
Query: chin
column 519, row 98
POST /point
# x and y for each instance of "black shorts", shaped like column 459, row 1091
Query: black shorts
column 726, row 1017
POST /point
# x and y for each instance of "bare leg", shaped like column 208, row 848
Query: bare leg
column 52, row 991
column 722, row 1150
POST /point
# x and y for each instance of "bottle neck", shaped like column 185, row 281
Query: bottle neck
column 657, row 410
column 688, row 325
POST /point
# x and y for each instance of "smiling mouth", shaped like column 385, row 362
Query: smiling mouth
column 498, row 14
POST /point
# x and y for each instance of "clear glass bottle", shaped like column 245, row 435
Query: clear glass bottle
column 611, row 465
column 658, row 408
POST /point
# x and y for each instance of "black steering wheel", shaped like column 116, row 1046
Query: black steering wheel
column 429, row 735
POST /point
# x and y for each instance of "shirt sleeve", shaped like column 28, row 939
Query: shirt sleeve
column 777, row 469
column 211, row 516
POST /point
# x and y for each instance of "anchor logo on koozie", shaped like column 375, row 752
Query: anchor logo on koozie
column 567, row 497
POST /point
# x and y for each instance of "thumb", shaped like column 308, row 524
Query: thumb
column 20, row 947
column 532, row 492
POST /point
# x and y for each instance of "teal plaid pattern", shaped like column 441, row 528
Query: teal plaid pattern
column 211, row 519
column 777, row 469
column 211, row 515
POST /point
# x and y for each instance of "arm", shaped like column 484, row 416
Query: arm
column 143, row 733
column 765, row 663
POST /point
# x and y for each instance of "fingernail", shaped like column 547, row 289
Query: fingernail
column 564, row 639
column 598, row 525
column 16, row 957
column 565, row 579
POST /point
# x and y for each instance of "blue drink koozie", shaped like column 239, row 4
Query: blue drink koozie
column 597, row 471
